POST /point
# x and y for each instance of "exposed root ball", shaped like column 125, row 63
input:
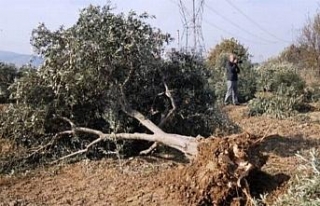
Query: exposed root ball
column 218, row 175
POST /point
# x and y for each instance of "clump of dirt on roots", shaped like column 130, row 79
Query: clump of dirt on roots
column 218, row 175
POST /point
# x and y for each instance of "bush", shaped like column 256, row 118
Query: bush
column 285, row 91
column 312, row 93
column 271, row 75
column 275, row 105
column 304, row 188
column 8, row 73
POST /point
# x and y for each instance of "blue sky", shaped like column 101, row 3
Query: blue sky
column 266, row 27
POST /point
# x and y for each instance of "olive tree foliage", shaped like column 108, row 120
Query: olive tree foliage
column 105, row 73
column 227, row 46
column 8, row 73
column 217, row 61
column 282, row 88
column 85, row 66
column 272, row 74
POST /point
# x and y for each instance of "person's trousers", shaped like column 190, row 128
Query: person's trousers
column 232, row 91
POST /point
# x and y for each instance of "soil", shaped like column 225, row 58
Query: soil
column 163, row 180
column 219, row 173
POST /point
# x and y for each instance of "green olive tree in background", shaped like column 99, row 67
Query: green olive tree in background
column 8, row 73
column 217, row 59
column 227, row 46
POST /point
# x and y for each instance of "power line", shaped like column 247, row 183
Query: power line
column 230, row 33
column 184, row 19
column 254, row 22
column 236, row 25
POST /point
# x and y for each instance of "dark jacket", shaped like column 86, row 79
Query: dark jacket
column 232, row 71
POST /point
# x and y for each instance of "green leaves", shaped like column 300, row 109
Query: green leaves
column 86, row 68
column 273, row 74
column 304, row 188
column 219, row 54
column 285, row 91
column 8, row 73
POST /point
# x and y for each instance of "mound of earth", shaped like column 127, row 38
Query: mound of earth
column 220, row 174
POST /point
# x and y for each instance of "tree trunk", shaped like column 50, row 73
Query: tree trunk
column 220, row 166
column 186, row 144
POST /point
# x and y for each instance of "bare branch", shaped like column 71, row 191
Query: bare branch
column 55, row 138
column 67, row 120
column 163, row 120
column 143, row 120
column 187, row 145
column 173, row 105
column 150, row 149
column 83, row 150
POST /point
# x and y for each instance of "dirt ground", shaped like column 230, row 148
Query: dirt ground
column 145, row 180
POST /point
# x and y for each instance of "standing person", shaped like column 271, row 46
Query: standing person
column 232, row 80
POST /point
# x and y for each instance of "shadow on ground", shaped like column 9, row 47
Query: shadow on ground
column 261, row 183
column 287, row 146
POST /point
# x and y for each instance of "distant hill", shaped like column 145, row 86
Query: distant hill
column 19, row 59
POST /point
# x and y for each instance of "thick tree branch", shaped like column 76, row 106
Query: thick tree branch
column 133, row 113
column 163, row 120
column 187, row 145
column 142, row 119
column 173, row 105
column 179, row 142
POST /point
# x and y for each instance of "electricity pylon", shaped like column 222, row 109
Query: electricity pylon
column 191, row 39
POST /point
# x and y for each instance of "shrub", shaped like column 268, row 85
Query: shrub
column 285, row 91
column 304, row 188
column 8, row 73
column 271, row 75
column 312, row 93
column 277, row 105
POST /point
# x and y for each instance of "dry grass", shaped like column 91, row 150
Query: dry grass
column 310, row 76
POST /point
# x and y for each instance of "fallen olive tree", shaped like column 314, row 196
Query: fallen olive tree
column 104, row 81
column 222, row 170
column 103, row 73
